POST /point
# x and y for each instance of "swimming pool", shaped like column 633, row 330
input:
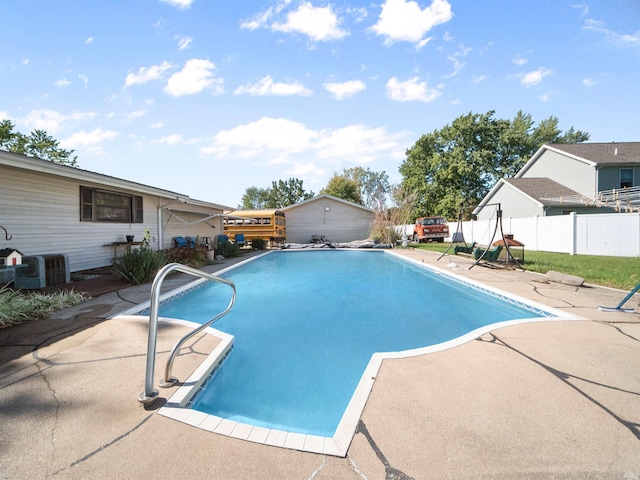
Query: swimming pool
column 307, row 326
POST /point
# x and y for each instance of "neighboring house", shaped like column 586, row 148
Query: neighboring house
column 329, row 218
column 564, row 178
column 48, row 208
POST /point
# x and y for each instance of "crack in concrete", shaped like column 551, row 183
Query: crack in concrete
column 105, row 446
column 52, row 434
column 319, row 469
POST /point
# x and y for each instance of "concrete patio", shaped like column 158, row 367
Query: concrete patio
column 556, row 399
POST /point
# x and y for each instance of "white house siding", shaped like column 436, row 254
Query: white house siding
column 513, row 204
column 42, row 214
column 194, row 227
column 574, row 174
column 343, row 223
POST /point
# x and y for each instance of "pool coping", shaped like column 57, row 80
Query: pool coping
column 177, row 407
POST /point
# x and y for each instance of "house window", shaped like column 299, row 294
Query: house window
column 106, row 206
column 626, row 177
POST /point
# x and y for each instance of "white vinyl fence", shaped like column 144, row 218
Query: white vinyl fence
column 611, row 234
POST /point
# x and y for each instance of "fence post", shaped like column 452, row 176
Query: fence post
column 574, row 233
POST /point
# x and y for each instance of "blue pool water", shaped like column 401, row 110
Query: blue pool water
column 307, row 323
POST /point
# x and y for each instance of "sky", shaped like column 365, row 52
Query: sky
column 210, row 97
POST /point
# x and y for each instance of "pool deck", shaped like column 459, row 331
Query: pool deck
column 556, row 399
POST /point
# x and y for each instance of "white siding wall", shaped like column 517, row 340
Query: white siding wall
column 343, row 223
column 42, row 214
column 572, row 173
column 513, row 204
column 173, row 227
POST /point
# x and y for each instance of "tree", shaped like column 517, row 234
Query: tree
column 255, row 198
column 342, row 187
column 280, row 194
column 456, row 166
column 374, row 186
column 36, row 144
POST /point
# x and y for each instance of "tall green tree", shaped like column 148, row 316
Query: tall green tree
column 37, row 144
column 282, row 193
column 456, row 166
column 342, row 187
column 374, row 186
column 287, row 192
column 254, row 198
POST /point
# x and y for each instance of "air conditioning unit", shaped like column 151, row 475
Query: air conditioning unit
column 39, row 271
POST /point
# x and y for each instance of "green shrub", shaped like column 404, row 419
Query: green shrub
column 192, row 257
column 16, row 307
column 139, row 265
column 228, row 249
column 258, row 244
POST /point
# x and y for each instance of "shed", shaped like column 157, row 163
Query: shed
column 329, row 218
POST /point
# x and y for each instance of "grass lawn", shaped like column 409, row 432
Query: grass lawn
column 617, row 272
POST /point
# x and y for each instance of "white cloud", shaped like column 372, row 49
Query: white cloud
column 25, row 61
column 411, row 90
column 266, row 86
column 479, row 78
column 519, row 60
column 534, row 77
column 183, row 41
column 89, row 41
column 181, row 4
column 156, row 125
column 345, row 89
column 63, row 82
column 89, row 141
column 147, row 74
column 84, row 79
column 267, row 135
column 588, row 82
column 196, row 76
column 622, row 39
column 402, row 20
column 304, row 152
column 52, row 121
column 319, row 23
column 137, row 114
column 175, row 139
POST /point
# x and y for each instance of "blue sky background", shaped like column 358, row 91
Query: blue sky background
column 210, row 97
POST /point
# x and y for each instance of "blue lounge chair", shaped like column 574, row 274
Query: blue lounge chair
column 191, row 242
column 240, row 239
column 180, row 242
column 222, row 239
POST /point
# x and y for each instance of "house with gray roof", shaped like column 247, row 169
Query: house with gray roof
column 564, row 178
column 52, row 209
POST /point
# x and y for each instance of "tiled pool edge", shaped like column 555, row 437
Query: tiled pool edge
column 337, row 445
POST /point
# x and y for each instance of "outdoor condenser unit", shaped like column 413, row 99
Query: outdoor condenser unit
column 39, row 271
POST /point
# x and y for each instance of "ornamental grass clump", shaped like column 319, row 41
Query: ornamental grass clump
column 139, row 265
column 17, row 307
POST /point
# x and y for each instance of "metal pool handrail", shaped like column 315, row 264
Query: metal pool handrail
column 149, row 395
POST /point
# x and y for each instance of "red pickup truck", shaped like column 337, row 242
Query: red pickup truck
column 430, row 228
